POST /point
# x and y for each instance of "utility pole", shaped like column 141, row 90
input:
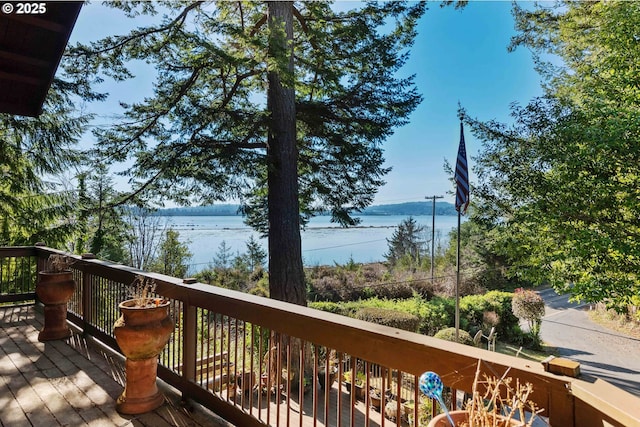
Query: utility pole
column 433, row 230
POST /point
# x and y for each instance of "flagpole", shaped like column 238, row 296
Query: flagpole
column 458, row 282
column 461, row 178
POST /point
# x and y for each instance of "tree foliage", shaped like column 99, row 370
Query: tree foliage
column 173, row 256
column 562, row 184
column 255, row 256
column 242, row 271
column 407, row 244
column 34, row 206
column 101, row 228
column 281, row 105
column 144, row 236
column 483, row 263
column 529, row 305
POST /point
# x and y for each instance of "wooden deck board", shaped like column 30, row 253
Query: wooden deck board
column 71, row 382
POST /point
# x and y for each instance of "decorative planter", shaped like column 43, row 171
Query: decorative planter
column 358, row 389
column 322, row 377
column 375, row 400
column 461, row 416
column 54, row 290
column 408, row 410
column 141, row 333
column 244, row 381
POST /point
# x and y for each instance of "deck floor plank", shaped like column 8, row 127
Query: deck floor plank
column 70, row 382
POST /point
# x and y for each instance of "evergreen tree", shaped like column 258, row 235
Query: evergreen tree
column 222, row 258
column 256, row 256
column 406, row 245
column 283, row 105
column 33, row 208
column 82, row 228
column 173, row 257
column 100, row 219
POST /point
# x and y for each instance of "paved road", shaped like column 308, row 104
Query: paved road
column 602, row 353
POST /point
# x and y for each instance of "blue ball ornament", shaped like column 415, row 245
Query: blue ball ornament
column 430, row 385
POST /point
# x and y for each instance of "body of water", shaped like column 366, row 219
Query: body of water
column 323, row 242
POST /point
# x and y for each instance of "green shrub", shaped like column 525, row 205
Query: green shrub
column 331, row 307
column 436, row 314
column 477, row 311
column 449, row 334
column 472, row 309
column 393, row 318
column 500, row 303
column 528, row 305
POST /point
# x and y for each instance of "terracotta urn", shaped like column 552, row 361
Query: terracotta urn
column 54, row 290
column 462, row 416
column 244, row 380
column 141, row 333
column 324, row 379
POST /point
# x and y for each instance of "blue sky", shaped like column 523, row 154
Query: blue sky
column 458, row 56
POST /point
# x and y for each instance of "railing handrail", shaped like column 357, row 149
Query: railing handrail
column 406, row 351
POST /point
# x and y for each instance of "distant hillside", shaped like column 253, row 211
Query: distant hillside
column 214, row 210
column 410, row 208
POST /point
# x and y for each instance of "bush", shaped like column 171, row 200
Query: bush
column 436, row 314
column 477, row 312
column 449, row 334
column 331, row 307
column 528, row 305
column 353, row 282
column 393, row 318
column 500, row 302
column 472, row 309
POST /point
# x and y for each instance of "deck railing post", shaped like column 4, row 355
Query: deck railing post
column 86, row 299
column 41, row 260
column 189, row 339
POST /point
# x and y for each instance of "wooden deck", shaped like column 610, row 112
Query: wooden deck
column 75, row 382
column 71, row 382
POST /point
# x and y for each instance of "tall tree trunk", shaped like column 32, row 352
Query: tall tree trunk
column 286, row 275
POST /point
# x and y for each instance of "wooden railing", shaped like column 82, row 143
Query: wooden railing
column 239, row 354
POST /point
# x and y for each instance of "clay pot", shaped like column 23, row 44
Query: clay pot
column 244, row 381
column 322, row 377
column 141, row 333
column 463, row 416
column 375, row 400
column 54, row 290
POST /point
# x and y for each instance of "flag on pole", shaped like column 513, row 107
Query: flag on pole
column 462, row 176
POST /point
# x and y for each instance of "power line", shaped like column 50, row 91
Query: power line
column 342, row 246
column 404, row 282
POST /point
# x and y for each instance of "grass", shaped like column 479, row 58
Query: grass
column 511, row 350
column 617, row 322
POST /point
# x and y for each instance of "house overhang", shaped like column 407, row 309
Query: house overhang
column 33, row 37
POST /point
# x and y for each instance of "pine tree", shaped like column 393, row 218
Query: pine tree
column 406, row 244
column 222, row 259
column 281, row 105
column 173, row 256
column 33, row 208
column 256, row 256
column 100, row 219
